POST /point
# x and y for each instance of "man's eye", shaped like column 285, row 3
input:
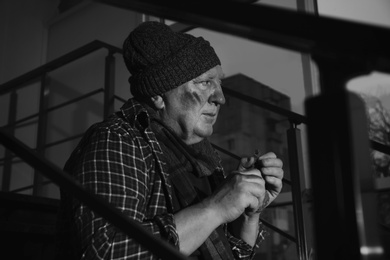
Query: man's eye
column 206, row 83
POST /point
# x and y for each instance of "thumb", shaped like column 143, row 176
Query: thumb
column 246, row 163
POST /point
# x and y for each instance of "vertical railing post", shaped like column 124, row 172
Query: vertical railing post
column 297, row 181
column 344, row 215
column 109, row 85
column 42, row 131
column 7, row 169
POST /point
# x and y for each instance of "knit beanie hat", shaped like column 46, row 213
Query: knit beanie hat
column 160, row 59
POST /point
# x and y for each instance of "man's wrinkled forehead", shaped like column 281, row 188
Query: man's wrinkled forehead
column 214, row 73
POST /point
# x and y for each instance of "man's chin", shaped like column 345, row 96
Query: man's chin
column 205, row 133
column 198, row 134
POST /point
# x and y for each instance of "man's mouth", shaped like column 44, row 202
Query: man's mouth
column 210, row 117
column 213, row 114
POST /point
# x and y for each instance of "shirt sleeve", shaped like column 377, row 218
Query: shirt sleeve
column 120, row 169
column 241, row 249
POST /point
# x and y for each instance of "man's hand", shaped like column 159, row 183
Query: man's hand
column 239, row 192
column 271, row 170
column 256, row 183
column 238, row 201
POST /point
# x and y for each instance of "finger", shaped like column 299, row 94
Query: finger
column 256, row 190
column 253, row 204
column 249, row 178
column 253, row 171
column 249, row 175
column 273, row 184
column 267, row 155
column 264, row 203
column 246, row 163
column 273, row 172
column 271, row 162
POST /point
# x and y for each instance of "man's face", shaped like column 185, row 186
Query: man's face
column 192, row 108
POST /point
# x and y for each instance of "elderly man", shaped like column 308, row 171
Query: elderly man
column 152, row 160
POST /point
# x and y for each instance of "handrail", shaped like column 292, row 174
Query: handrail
column 50, row 109
column 67, row 58
column 119, row 98
column 100, row 206
column 293, row 117
column 380, row 147
column 87, row 95
column 283, row 233
column 64, row 140
column 320, row 36
column 29, row 187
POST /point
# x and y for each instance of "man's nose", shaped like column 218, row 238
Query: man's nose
column 217, row 97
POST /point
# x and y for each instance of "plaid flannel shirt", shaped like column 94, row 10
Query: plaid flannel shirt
column 120, row 160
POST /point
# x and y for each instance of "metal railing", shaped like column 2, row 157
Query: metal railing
column 40, row 74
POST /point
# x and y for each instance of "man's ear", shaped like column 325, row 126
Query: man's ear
column 158, row 102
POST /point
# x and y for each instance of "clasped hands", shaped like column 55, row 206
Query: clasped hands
column 269, row 171
column 252, row 187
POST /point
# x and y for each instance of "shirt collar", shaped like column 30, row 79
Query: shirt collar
column 136, row 113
